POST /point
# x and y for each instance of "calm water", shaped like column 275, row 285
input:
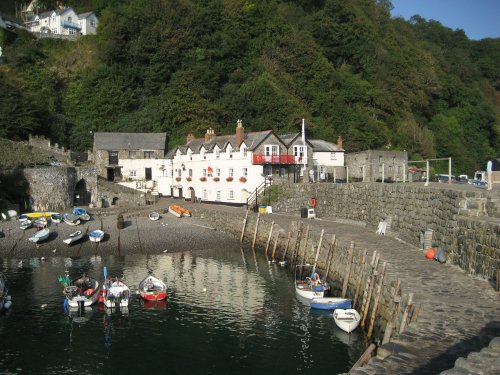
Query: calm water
column 227, row 312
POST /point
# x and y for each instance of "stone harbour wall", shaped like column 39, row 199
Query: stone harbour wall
column 469, row 239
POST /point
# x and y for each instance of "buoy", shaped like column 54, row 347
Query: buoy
column 430, row 253
column 441, row 256
column 42, row 259
column 44, row 306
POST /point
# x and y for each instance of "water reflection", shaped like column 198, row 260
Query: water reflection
column 227, row 309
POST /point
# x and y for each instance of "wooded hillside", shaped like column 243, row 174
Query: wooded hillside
column 180, row 66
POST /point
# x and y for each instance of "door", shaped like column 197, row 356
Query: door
column 111, row 174
column 149, row 175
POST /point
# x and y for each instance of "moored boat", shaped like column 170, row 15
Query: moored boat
column 152, row 289
column 81, row 213
column 330, row 303
column 73, row 237
column 5, row 299
column 309, row 288
column 40, row 222
column 178, row 211
column 25, row 224
column 154, row 216
column 40, row 236
column 346, row 319
column 115, row 293
column 56, row 218
column 80, row 292
column 96, row 235
column 71, row 219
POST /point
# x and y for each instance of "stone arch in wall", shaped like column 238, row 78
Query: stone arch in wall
column 114, row 202
column 191, row 194
column 244, row 195
column 82, row 196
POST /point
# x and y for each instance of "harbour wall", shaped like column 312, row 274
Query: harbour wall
column 464, row 223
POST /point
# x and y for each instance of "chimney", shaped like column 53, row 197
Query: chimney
column 210, row 134
column 240, row 133
column 339, row 143
column 189, row 137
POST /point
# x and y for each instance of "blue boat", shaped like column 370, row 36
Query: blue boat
column 330, row 303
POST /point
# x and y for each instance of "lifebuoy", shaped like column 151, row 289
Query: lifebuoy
column 314, row 202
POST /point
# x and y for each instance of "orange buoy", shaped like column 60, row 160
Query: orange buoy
column 430, row 253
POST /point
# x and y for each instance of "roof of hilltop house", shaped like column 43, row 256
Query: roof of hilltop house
column 323, row 146
column 85, row 15
column 57, row 11
column 130, row 141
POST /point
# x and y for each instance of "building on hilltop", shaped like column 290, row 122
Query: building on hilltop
column 63, row 21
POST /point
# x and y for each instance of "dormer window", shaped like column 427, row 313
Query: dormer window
column 190, row 154
column 244, row 151
column 217, row 153
column 202, row 153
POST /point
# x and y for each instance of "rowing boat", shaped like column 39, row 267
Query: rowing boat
column 178, row 211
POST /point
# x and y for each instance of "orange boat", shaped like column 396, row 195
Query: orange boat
column 178, row 211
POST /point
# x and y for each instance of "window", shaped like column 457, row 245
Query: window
column 190, row 173
column 231, row 172
column 204, row 173
column 70, row 19
column 179, row 172
column 202, row 152
column 133, row 173
column 231, row 194
column 148, row 154
column 92, row 23
column 205, row 194
column 272, row 150
column 217, row 195
column 132, row 154
column 217, row 154
column 244, row 149
column 217, row 172
column 333, row 156
column 230, row 152
column 268, row 170
column 298, row 151
column 71, row 31
column 244, row 172
column 54, row 30
column 282, row 172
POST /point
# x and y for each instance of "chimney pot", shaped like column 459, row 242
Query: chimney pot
column 339, row 143
column 240, row 132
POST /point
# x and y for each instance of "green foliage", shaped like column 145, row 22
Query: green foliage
column 180, row 66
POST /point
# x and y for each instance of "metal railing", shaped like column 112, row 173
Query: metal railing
column 253, row 199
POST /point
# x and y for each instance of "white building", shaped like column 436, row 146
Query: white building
column 63, row 22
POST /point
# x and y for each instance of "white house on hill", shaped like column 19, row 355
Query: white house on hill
column 63, row 22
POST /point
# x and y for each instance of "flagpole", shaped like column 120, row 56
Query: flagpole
column 304, row 156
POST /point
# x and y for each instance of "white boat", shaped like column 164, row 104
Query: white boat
column 154, row 216
column 40, row 222
column 96, row 235
column 346, row 320
column 115, row 293
column 81, row 213
column 71, row 219
column 178, row 211
column 80, row 292
column 73, row 237
column 309, row 288
column 25, row 224
column 40, row 236
column 152, row 289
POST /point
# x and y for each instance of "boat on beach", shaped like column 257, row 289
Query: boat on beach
column 71, row 219
column 35, row 215
column 81, row 213
column 178, row 211
column 330, row 303
column 152, row 289
column 40, row 236
column 80, row 292
column 96, row 235
column 154, row 216
column 346, row 319
column 56, row 218
column 25, row 224
column 40, row 222
column 73, row 237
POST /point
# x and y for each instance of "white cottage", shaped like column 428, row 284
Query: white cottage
column 63, row 22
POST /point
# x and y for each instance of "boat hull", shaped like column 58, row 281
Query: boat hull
column 347, row 320
column 178, row 211
column 74, row 237
column 116, row 294
column 82, row 292
column 330, row 303
column 40, row 236
column 96, row 235
column 152, row 289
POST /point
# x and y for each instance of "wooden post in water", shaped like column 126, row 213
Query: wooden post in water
column 256, row 228
column 396, row 299
column 360, row 279
column 286, row 246
column 348, row 271
column 331, row 249
column 297, row 245
column 304, row 257
column 275, row 244
column 319, row 248
column 366, row 303
column 377, row 299
column 244, row 225
column 405, row 314
column 269, row 237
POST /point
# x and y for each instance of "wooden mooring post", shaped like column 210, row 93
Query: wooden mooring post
column 297, row 245
column 348, row 271
column 377, row 299
column 256, row 228
column 269, row 237
column 244, row 225
column 405, row 314
column 286, row 246
column 275, row 244
column 331, row 249
column 368, row 293
column 360, row 279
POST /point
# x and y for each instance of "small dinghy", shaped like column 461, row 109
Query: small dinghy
column 81, row 213
column 309, row 288
column 22, row 218
column 56, row 218
column 40, row 236
column 73, row 237
column 25, row 224
column 346, row 320
column 152, row 289
column 178, row 211
column 40, row 222
column 71, row 219
column 330, row 303
column 80, row 292
column 154, row 216
column 96, row 235
column 115, row 293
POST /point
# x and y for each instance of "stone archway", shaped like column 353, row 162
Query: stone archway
column 191, row 195
column 81, row 196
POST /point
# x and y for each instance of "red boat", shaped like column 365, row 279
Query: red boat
column 152, row 289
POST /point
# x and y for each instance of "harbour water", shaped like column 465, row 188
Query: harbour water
column 228, row 311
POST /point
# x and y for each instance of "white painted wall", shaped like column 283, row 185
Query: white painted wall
column 325, row 159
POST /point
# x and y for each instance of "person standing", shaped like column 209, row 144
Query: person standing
column 489, row 173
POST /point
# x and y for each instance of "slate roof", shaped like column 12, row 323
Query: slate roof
column 130, row 141
column 323, row 146
column 85, row 15
column 57, row 11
